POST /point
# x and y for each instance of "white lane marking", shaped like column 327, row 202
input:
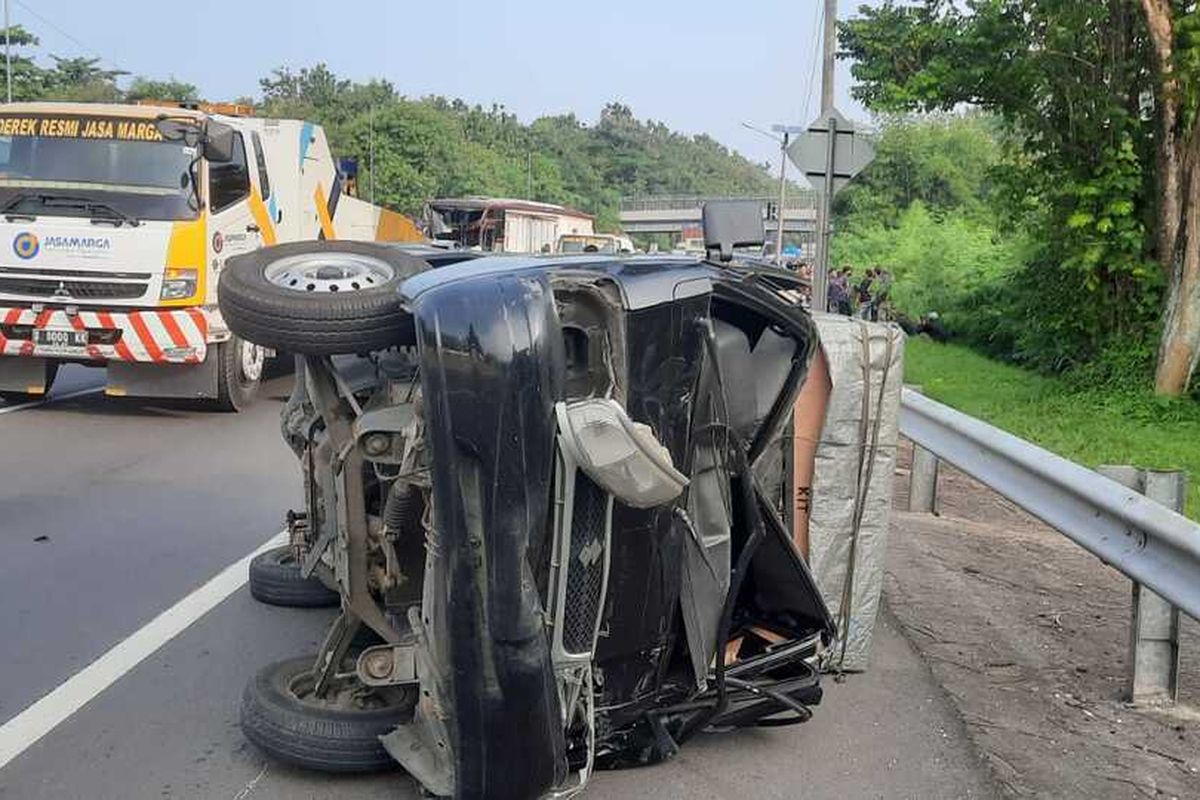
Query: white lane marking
column 249, row 787
column 20, row 732
column 50, row 399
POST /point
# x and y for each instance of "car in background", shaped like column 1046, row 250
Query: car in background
column 609, row 243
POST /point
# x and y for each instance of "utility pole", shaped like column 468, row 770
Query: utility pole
column 820, row 283
column 829, row 52
column 8, row 50
column 370, row 150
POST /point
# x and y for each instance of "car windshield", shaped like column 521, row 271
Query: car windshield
column 581, row 244
column 123, row 163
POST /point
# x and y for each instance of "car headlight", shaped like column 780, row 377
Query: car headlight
column 621, row 455
column 178, row 284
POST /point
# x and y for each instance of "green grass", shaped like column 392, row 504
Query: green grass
column 1090, row 427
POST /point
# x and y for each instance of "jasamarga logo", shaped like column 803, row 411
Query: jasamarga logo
column 80, row 245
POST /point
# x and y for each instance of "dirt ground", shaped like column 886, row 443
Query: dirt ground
column 1028, row 633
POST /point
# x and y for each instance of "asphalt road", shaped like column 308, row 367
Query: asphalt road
column 110, row 512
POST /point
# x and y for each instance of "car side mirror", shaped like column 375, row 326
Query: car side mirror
column 729, row 224
column 218, row 143
column 174, row 129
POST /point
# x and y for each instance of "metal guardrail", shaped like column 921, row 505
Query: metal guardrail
column 1148, row 542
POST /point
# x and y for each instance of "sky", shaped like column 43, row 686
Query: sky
column 703, row 66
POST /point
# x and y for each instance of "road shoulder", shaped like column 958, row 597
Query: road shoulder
column 1028, row 634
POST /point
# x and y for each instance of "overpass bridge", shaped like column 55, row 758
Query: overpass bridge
column 677, row 215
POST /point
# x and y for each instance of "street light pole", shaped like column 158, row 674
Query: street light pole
column 8, row 50
column 782, row 197
column 783, row 138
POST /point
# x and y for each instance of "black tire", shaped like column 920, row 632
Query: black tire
column 24, row 397
column 235, row 389
column 319, row 737
column 275, row 580
column 319, row 323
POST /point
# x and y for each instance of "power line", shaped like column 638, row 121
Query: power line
column 66, row 35
column 818, row 24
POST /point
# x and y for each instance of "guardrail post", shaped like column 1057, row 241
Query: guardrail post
column 922, row 477
column 1154, row 626
column 922, row 487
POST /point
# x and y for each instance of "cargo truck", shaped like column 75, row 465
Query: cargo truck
column 498, row 225
column 116, row 221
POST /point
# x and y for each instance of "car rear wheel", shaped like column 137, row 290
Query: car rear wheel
column 275, row 579
column 319, row 298
column 337, row 733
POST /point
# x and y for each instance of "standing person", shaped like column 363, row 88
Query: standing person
column 883, row 290
column 839, row 292
column 863, row 291
column 847, row 306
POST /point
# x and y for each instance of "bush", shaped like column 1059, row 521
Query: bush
column 939, row 262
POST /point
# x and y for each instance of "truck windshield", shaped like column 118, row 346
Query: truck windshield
column 123, row 163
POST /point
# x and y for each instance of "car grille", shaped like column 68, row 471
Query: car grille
column 585, row 566
column 73, row 289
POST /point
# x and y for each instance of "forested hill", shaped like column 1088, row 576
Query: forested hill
column 439, row 147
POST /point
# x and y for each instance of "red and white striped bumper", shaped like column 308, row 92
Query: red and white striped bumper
column 176, row 336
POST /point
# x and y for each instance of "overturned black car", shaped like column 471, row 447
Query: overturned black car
column 532, row 487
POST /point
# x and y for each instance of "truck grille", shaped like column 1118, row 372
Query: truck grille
column 73, row 289
column 585, row 565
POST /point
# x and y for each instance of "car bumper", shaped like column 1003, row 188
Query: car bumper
column 168, row 336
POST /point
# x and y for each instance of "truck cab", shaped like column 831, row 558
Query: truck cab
column 116, row 220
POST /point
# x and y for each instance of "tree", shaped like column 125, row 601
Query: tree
column 81, row 78
column 944, row 161
column 28, row 82
column 313, row 87
column 1174, row 29
column 1070, row 77
column 142, row 88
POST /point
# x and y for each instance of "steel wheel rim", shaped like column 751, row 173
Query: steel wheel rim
column 250, row 359
column 345, row 693
column 333, row 273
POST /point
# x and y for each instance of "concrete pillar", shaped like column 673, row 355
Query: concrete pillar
column 1154, row 626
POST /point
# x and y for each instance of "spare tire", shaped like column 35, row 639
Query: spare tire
column 319, row 298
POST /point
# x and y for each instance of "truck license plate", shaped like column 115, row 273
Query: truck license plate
column 59, row 338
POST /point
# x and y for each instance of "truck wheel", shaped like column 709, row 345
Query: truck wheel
column 239, row 371
column 25, row 397
column 319, row 298
column 275, row 579
column 337, row 733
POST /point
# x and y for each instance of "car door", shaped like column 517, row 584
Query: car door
column 232, row 227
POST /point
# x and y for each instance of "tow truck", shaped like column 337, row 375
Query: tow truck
column 116, row 221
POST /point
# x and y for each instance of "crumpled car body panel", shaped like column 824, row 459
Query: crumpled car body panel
column 491, row 367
